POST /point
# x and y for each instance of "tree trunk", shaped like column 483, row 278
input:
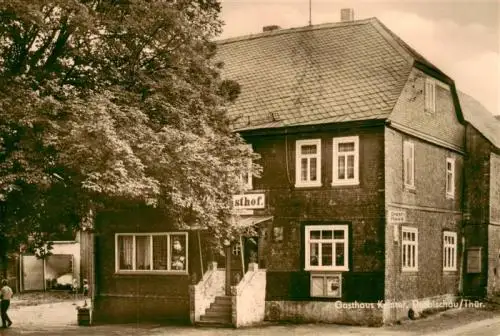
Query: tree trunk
column 3, row 265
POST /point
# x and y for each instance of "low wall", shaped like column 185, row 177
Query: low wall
column 353, row 313
column 397, row 311
column 204, row 292
column 249, row 298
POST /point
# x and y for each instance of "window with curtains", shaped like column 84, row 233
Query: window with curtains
column 345, row 161
column 308, row 163
column 152, row 252
column 326, row 247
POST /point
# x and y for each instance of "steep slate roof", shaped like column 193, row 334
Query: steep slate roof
column 479, row 117
column 348, row 71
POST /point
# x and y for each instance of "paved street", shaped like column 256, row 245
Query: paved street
column 60, row 319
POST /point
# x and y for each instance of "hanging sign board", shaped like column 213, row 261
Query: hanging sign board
column 249, row 201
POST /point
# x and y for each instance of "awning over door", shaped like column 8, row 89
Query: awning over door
column 248, row 221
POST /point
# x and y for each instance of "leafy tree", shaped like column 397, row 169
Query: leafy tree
column 110, row 101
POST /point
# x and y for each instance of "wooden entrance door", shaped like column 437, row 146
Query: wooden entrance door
column 243, row 251
column 237, row 266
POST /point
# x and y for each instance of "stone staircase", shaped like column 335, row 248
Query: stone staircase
column 218, row 314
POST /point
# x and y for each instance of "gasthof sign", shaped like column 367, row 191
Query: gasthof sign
column 249, row 201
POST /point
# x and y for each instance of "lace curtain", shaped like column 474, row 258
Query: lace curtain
column 142, row 252
column 125, row 244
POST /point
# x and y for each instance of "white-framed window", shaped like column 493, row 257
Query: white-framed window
column 449, row 251
column 326, row 285
column 430, row 95
column 450, row 177
column 308, row 163
column 326, row 247
column 409, row 249
column 247, row 176
column 409, row 164
column 345, row 161
column 151, row 252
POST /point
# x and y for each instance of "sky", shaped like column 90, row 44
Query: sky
column 460, row 37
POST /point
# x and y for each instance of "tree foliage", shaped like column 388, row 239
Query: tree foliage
column 104, row 101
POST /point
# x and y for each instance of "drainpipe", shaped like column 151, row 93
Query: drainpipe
column 465, row 211
column 462, row 267
column 201, row 254
column 242, row 255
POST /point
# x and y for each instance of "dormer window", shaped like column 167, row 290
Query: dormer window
column 308, row 163
column 430, row 95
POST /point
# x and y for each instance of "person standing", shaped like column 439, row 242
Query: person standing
column 5, row 296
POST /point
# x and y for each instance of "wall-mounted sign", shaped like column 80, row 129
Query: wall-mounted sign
column 397, row 216
column 249, row 201
column 474, row 260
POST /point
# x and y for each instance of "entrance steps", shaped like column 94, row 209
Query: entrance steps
column 219, row 314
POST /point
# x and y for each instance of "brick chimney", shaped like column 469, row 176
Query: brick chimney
column 346, row 14
column 270, row 28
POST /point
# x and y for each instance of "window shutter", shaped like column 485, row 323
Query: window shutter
column 429, row 95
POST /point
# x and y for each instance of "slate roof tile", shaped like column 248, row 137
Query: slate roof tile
column 479, row 117
column 318, row 74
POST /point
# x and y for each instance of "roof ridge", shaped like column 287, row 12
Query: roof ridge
column 415, row 55
column 294, row 30
column 392, row 39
